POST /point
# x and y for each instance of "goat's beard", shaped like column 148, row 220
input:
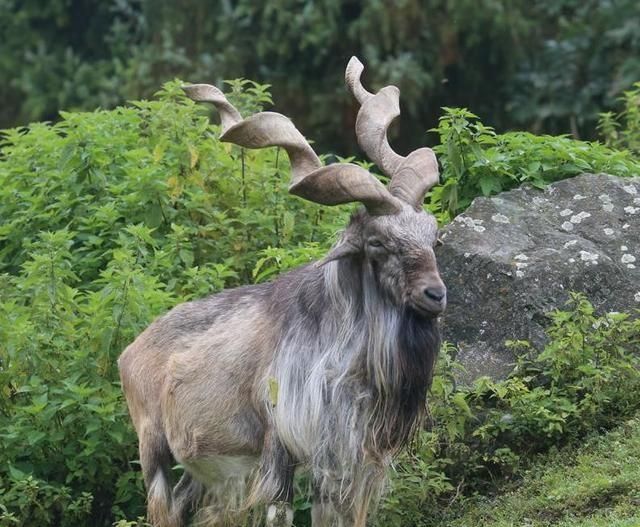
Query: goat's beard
column 401, row 353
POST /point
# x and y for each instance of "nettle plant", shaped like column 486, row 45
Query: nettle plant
column 622, row 130
column 476, row 161
column 151, row 164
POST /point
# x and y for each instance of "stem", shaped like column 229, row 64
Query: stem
column 573, row 122
column 276, row 222
column 53, row 290
column 247, row 228
column 244, row 188
column 116, row 333
column 164, row 217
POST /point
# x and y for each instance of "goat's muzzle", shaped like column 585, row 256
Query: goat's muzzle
column 430, row 299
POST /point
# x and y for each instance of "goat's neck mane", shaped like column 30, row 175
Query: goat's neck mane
column 352, row 369
column 393, row 349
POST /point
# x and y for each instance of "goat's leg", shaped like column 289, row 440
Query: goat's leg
column 155, row 459
column 325, row 515
column 186, row 495
column 326, row 512
column 279, row 514
column 275, row 480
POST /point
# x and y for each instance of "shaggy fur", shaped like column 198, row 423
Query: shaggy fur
column 349, row 343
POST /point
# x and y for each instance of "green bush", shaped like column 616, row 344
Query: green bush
column 622, row 130
column 151, row 173
column 478, row 162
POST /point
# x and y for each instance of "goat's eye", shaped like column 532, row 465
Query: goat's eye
column 374, row 242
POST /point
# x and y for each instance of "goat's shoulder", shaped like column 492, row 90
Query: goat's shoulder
column 195, row 317
column 268, row 300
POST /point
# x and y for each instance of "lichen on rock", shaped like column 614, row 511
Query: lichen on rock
column 565, row 238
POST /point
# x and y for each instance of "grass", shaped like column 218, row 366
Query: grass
column 597, row 485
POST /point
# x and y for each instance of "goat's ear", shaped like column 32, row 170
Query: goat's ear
column 348, row 246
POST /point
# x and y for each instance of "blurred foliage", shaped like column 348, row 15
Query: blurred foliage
column 586, row 54
column 622, row 130
column 110, row 218
column 549, row 66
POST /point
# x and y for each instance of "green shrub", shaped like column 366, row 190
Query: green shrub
column 195, row 203
column 478, row 162
column 622, row 130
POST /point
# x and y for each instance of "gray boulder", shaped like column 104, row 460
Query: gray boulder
column 510, row 259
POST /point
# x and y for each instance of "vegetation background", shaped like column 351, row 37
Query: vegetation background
column 111, row 216
column 547, row 66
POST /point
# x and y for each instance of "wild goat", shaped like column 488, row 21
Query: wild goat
column 325, row 368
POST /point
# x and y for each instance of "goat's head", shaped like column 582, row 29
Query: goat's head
column 398, row 252
column 393, row 236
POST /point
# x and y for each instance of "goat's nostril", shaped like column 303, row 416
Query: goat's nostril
column 435, row 293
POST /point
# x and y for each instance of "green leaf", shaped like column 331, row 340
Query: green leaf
column 459, row 400
column 273, row 390
column 489, row 185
